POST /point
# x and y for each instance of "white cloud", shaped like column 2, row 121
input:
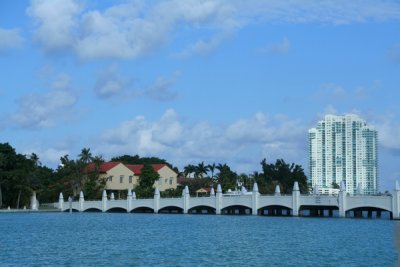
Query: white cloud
column 109, row 83
column 276, row 48
column 133, row 29
column 56, row 23
column 44, row 110
column 160, row 89
column 10, row 38
column 182, row 142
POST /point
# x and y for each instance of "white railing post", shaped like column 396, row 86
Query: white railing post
column 396, row 202
column 104, row 201
column 218, row 200
column 61, row 202
column 129, row 201
column 296, row 199
column 342, row 200
column 156, row 200
column 254, row 199
column 186, row 199
column 81, row 201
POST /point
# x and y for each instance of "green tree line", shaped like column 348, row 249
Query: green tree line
column 20, row 175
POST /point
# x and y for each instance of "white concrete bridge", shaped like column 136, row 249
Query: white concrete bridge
column 341, row 205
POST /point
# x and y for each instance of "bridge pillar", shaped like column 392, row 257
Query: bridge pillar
column 342, row 200
column 218, row 200
column 396, row 202
column 156, row 200
column 254, row 199
column 81, row 201
column 129, row 201
column 186, row 199
column 296, row 199
column 61, row 202
column 104, row 201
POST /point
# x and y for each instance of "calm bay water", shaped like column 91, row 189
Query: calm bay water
column 109, row 239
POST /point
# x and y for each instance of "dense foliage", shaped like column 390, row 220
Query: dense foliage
column 20, row 175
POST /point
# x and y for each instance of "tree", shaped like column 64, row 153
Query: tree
column 147, row 178
column 85, row 156
column 189, row 169
column 283, row 174
column 211, row 168
column 200, row 170
column 226, row 177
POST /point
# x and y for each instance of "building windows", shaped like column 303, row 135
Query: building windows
column 110, row 178
column 166, row 181
column 170, row 181
column 130, row 179
column 121, row 179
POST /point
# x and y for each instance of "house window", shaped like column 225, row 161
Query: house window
column 130, row 179
column 121, row 179
column 110, row 178
column 170, row 181
column 166, row 180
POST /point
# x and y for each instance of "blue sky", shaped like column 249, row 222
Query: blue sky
column 191, row 81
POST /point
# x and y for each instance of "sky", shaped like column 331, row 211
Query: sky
column 190, row 81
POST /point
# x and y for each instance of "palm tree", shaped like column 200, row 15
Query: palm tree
column 189, row 169
column 35, row 160
column 200, row 170
column 85, row 156
column 211, row 168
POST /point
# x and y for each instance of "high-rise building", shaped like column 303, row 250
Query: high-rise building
column 344, row 148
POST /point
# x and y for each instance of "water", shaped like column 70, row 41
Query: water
column 110, row 239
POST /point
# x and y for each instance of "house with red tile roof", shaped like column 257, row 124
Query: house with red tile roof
column 121, row 177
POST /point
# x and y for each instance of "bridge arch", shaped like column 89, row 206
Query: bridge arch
column 369, row 212
column 171, row 209
column 318, row 211
column 236, row 210
column 275, row 210
column 116, row 210
column 142, row 209
column 73, row 210
column 92, row 210
column 203, row 209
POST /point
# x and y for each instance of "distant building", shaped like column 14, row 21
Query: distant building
column 344, row 148
column 121, row 177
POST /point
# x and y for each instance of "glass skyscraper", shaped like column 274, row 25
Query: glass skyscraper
column 344, row 148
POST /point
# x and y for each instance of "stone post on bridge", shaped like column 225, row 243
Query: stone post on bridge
column 342, row 200
column 218, row 200
column 81, row 201
column 156, row 200
column 129, row 201
column 254, row 199
column 296, row 199
column 396, row 202
column 61, row 202
column 186, row 199
column 104, row 201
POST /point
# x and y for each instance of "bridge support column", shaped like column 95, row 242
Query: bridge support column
column 129, row 201
column 104, row 201
column 186, row 199
column 156, row 200
column 296, row 199
column 218, row 200
column 61, row 202
column 254, row 199
column 81, row 201
column 396, row 202
column 342, row 200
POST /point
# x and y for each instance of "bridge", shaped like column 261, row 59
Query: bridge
column 251, row 203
